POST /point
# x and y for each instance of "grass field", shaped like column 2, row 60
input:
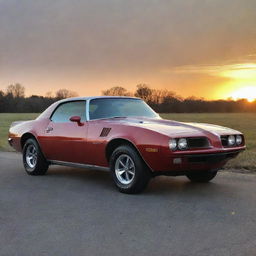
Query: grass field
column 243, row 122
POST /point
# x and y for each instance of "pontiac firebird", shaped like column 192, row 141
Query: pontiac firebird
column 125, row 136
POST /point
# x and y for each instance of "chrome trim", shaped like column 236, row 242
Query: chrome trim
column 87, row 110
column 94, row 97
column 77, row 165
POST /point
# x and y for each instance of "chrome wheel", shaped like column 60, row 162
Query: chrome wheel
column 125, row 169
column 31, row 156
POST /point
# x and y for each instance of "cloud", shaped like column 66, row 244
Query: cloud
column 236, row 71
column 86, row 41
column 124, row 34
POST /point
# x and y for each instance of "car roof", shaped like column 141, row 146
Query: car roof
column 97, row 97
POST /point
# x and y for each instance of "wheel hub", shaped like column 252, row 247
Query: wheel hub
column 125, row 169
column 31, row 156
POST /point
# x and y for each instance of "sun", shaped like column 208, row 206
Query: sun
column 248, row 92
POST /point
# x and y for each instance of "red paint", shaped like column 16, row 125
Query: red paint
column 80, row 142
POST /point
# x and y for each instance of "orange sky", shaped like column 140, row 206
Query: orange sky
column 201, row 48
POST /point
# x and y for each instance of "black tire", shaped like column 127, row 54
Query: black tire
column 33, row 159
column 141, row 173
column 201, row 176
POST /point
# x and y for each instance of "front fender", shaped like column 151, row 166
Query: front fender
column 149, row 144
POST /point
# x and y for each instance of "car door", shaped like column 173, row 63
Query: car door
column 65, row 140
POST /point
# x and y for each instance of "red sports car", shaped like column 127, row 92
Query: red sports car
column 125, row 135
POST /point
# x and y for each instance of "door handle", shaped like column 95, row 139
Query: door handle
column 49, row 129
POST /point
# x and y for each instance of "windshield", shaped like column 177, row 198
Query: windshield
column 119, row 107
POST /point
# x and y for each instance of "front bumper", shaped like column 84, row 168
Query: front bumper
column 212, row 158
column 209, row 159
column 206, row 161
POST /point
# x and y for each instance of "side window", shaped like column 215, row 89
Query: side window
column 66, row 110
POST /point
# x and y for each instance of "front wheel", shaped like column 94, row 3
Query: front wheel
column 201, row 176
column 33, row 159
column 129, row 172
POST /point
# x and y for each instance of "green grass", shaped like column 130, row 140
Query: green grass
column 243, row 122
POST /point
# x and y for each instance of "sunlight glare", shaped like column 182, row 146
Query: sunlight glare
column 248, row 93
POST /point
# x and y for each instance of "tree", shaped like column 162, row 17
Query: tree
column 49, row 95
column 143, row 92
column 2, row 101
column 158, row 95
column 16, row 90
column 64, row 93
column 116, row 91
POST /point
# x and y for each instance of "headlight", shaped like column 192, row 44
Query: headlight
column 231, row 140
column 239, row 139
column 182, row 144
column 172, row 144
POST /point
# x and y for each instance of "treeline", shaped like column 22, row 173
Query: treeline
column 165, row 101
column 13, row 100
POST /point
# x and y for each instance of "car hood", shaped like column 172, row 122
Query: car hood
column 173, row 128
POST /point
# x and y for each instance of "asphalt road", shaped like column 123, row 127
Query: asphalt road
column 77, row 212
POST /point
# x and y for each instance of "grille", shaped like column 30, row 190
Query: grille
column 224, row 140
column 200, row 142
column 105, row 132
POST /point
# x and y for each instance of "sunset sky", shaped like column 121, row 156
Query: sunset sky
column 205, row 48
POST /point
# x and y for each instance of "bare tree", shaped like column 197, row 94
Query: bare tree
column 158, row 95
column 144, row 92
column 49, row 95
column 116, row 91
column 13, row 100
column 16, row 90
column 64, row 93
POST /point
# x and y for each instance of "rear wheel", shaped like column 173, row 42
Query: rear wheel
column 33, row 159
column 201, row 176
column 129, row 172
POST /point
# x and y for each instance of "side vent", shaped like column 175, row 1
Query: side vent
column 105, row 132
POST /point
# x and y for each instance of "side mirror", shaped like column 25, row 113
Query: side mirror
column 76, row 119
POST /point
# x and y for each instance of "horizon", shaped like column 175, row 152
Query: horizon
column 74, row 94
column 198, row 48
